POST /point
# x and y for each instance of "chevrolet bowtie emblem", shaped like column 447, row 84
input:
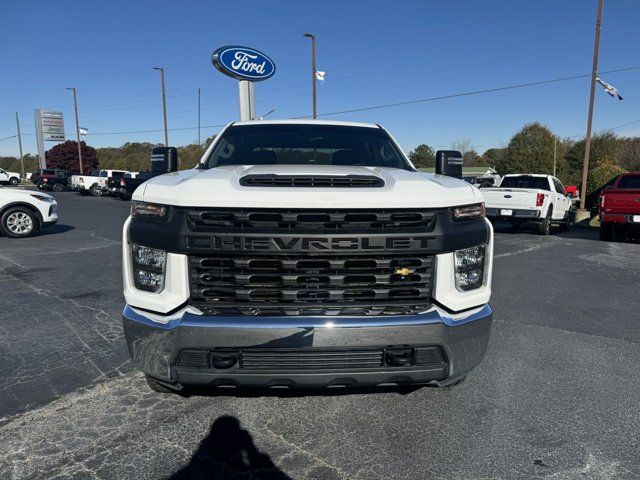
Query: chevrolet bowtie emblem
column 404, row 271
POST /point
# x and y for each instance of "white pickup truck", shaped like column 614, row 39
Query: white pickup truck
column 306, row 253
column 12, row 178
column 94, row 184
column 528, row 198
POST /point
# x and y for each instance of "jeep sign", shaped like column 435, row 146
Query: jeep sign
column 243, row 63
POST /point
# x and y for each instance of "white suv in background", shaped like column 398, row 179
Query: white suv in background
column 23, row 212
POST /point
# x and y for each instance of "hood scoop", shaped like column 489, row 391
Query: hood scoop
column 312, row 181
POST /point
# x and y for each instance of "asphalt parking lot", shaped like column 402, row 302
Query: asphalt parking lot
column 556, row 396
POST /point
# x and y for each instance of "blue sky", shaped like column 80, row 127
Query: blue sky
column 374, row 52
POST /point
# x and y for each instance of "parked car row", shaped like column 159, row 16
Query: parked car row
column 96, row 183
column 542, row 201
column 116, row 183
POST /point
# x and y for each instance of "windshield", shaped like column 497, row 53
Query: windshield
column 525, row 181
column 630, row 182
column 284, row 144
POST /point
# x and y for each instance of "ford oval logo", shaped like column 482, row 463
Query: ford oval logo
column 243, row 63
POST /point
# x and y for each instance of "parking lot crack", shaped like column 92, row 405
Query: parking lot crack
column 306, row 453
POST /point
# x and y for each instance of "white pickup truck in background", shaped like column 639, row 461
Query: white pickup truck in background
column 12, row 178
column 529, row 198
column 94, row 184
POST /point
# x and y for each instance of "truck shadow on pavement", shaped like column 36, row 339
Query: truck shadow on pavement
column 284, row 392
column 228, row 452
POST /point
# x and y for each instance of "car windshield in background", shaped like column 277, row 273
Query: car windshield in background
column 284, row 144
column 630, row 182
column 525, row 181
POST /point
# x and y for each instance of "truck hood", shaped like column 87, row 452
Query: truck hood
column 220, row 187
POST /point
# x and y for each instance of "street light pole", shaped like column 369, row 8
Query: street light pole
column 75, row 107
column 587, row 146
column 199, row 144
column 164, row 105
column 20, row 144
column 314, row 83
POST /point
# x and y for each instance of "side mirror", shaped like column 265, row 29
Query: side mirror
column 449, row 162
column 164, row 159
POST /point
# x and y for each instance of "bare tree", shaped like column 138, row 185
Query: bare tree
column 463, row 146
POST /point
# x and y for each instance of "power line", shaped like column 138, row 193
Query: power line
column 466, row 94
column 147, row 131
column 7, row 138
column 623, row 125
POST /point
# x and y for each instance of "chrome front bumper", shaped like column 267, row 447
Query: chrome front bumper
column 155, row 342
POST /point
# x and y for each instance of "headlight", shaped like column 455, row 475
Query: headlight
column 148, row 268
column 149, row 210
column 43, row 198
column 468, row 212
column 469, row 268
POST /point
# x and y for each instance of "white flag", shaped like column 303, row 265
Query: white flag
column 320, row 75
column 83, row 131
column 610, row 89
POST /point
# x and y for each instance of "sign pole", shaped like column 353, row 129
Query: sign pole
column 40, row 138
column 20, row 144
column 314, row 80
column 587, row 146
column 75, row 107
column 247, row 100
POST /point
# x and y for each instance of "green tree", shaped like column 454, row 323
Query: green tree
column 64, row 156
column 494, row 157
column 470, row 158
column 602, row 175
column 603, row 146
column 529, row 151
column 423, row 156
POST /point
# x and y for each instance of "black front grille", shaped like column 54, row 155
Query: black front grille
column 311, row 285
column 310, row 359
column 306, row 220
column 317, row 181
column 314, row 358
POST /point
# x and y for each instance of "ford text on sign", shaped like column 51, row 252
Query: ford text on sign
column 243, row 63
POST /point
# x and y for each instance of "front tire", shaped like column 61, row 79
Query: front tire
column 14, row 181
column 95, row 190
column 453, row 384
column 18, row 222
column 156, row 386
column 57, row 187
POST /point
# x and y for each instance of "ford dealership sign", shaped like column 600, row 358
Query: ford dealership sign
column 243, row 63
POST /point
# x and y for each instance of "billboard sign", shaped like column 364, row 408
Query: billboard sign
column 243, row 63
column 52, row 124
column 49, row 128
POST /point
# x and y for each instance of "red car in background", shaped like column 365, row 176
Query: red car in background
column 619, row 206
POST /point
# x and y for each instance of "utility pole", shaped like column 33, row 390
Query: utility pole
column 164, row 105
column 20, row 144
column 582, row 214
column 75, row 106
column 314, row 82
column 555, row 142
column 199, row 144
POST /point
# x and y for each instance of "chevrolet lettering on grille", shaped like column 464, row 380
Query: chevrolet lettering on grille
column 324, row 243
